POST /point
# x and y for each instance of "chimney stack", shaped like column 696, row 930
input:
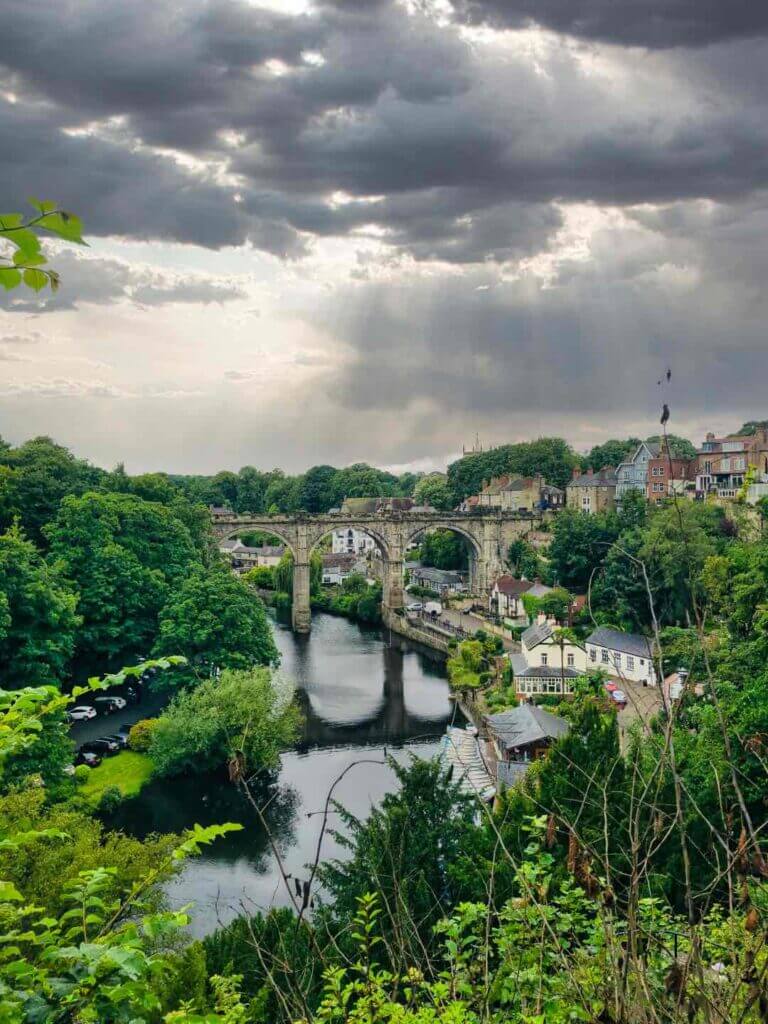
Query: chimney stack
column 575, row 473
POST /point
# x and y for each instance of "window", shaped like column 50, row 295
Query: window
column 630, row 663
column 655, row 471
column 571, row 661
column 661, row 471
column 592, row 654
column 617, row 659
column 544, row 659
column 604, row 657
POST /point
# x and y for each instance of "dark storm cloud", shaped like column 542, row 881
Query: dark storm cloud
column 465, row 149
column 653, row 23
column 671, row 291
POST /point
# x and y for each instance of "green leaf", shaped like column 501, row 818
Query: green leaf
column 10, row 278
column 28, row 259
column 43, row 205
column 35, row 279
column 10, row 220
column 9, row 893
column 25, row 240
column 63, row 224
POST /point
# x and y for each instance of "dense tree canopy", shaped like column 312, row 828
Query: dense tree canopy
column 550, row 456
column 33, row 480
column 123, row 555
column 434, row 490
column 246, row 715
column 38, row 615
column 215, row 619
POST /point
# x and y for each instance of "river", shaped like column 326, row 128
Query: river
column 364, row 694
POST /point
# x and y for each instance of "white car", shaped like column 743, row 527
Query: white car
column 415, row 606
column 82, row 713
column 109, row 704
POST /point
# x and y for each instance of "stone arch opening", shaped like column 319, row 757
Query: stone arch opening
column 349, row 542
column 241, row 531
column 472, row 546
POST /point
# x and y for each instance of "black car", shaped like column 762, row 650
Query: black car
column 87, row 757
column 103, row 746
column 119, row 738
column 124, row 730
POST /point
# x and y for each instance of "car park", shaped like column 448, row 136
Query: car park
column 82, row 713
column 88, row 757
column 106, row 705
column 104, row 746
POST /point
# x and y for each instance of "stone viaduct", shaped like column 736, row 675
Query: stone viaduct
column 488, row 536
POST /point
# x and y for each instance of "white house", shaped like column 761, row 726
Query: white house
column 442, row 581
column 244, row 557
column 544, row 665
column 336, row 568
column 622, row 655
column 349, row 541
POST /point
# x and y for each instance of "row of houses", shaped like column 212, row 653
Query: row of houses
column 720, row 469
column 514, row 493
column 549, row 663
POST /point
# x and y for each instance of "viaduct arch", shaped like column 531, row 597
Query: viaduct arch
column 489, row 535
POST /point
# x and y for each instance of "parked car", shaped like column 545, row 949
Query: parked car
column 414, row 606
column 88, row 757
column 104, row 746
column 81, row 713
column 620, row 697
column 610, row 687
column 120, row 739
column 106, row 705
column 125, row 730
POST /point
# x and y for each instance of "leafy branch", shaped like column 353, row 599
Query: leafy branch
column 22, row 258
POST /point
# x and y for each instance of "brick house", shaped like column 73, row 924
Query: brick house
column 669, row 474
column 722, row 462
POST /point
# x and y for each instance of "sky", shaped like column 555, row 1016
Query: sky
column 329, row 231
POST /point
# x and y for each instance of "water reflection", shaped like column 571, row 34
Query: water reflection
column 360, row 691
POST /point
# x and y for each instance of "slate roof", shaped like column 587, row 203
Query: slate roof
column 269, row 550
column 437, row 575
column 526, row 724
column 536, row 634
column 615, row 640
column 595, row 480
column 539, row 590
column 341, row 560
column 460, row 748
column 510, row 773
column 548, row 672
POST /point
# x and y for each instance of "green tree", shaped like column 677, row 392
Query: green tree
column 414, row 850
column 37, row 476
column 444, row 549
column 124, row 555
column 248, row 716
column 318, row 491
column 680, row 447
column 550, row 456
column 45, row 758
column 215, row 619
column 610, row 453
column 433, row 490
column 580, row 544
column 524, row 560
column 38, row 615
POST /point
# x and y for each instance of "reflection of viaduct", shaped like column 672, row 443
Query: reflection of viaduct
column 390, row 722
column 488, row 537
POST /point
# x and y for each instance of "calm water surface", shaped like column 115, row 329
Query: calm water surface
column 362, row 695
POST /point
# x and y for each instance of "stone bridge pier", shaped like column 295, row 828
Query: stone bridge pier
column 488, row 538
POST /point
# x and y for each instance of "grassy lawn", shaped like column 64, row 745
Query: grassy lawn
column 127, row 771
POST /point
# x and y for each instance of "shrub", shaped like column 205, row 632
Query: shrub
column 110, row 799
column 82, row 771
column 140, row 736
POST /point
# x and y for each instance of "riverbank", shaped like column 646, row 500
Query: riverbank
column 366, row 695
